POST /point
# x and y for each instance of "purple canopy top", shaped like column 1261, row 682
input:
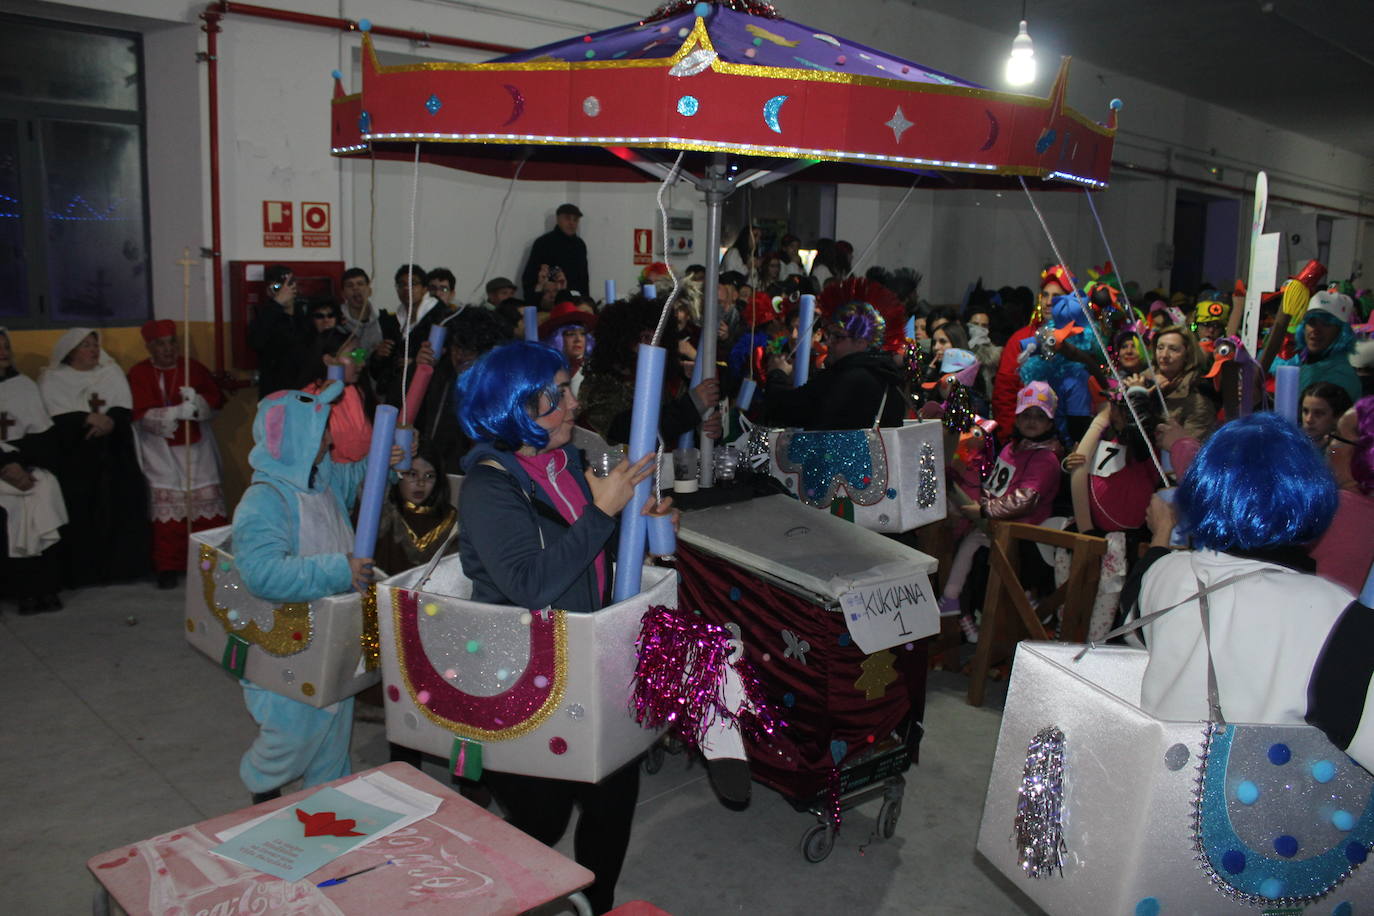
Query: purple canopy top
column 738, row 38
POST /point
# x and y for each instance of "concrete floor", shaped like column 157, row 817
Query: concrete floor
column 116, row 730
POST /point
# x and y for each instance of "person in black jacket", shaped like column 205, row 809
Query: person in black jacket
column 281, row 334
column 557, row 254
column 536, row 531
column 391, row 363
column 859, row 386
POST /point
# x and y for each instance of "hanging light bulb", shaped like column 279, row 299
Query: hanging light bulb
column 1021, row 64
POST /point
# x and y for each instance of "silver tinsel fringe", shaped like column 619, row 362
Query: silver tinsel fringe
column 1038, row 831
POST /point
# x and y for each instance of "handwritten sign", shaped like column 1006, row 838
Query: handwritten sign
column 1110, row 458
column 890, row 612
column 1002, row 473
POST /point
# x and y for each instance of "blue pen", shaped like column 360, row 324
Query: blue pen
column 340, row 880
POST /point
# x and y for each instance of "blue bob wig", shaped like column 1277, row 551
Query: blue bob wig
column 1257, row 483
column 499, row 394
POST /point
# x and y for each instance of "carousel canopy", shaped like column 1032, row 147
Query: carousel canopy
column 731, row 77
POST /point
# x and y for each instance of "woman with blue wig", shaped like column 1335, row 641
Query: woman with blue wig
column 536, row 531
column 1256, row 494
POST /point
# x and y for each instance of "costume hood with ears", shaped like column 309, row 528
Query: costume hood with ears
column 287, row 432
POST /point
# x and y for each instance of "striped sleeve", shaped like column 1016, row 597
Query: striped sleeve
column 1339, row 698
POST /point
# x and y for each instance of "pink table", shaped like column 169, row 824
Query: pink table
column 462, row 859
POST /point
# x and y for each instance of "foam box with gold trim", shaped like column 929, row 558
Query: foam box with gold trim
column 889, row 480
column 544, row 693
column 313, row 652
column 1170, row 816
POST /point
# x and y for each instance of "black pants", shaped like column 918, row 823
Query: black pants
column 541, row 807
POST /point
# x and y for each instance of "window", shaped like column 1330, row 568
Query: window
column 73, row 216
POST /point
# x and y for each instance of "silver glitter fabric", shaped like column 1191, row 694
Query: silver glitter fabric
column 928, row 485
column 1038, row 828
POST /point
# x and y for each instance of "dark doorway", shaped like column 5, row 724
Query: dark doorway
column 1205, row 235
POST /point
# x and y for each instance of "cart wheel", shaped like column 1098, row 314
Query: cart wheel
column 888, row 815
column 653, row 761
column 818, row 842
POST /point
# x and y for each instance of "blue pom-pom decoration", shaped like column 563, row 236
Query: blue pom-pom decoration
column 1233, row 861
column 338, row 75
column 1114, row 104
column 1323, row 771
column 1279, row 754
column 702, row 9
column 364, row 25
column 1247, row 793
column 1286, row 846
column 1271, row 888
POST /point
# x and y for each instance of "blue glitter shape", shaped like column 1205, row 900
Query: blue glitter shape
column 811, row 63
column 1148, row 906
column 1307, row 877
column 365, row 123
column 1279, row 754
column 891, row 493
column 1045, row 142
column 1286, row 846
column 688, row 106
column 828, row 460
column 433, row 104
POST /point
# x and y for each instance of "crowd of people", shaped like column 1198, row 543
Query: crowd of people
column 1080, row 403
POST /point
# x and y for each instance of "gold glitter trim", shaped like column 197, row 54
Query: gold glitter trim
column 293, row 617
column 541, row 715
column 308, row 689
column 423, row 542
column 371, row 637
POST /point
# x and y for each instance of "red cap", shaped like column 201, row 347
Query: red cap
column 160, row 327
column 563, row 315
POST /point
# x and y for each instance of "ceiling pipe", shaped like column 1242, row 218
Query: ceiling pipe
column 350, row 25
column 1170, row 175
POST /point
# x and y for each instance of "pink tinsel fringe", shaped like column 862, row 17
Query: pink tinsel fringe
column 680, row 674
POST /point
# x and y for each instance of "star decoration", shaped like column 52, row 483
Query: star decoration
column 899, row 124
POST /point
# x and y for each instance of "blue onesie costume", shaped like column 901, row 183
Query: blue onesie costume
column 292, row 537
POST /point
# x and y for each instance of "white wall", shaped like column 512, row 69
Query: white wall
column 274, row 99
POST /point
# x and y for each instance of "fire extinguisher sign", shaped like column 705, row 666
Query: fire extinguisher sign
column 644, row 246
column 315, row 228
column 277, row 227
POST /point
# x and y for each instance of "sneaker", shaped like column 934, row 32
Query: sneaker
column 968, row 628
column 949, row 607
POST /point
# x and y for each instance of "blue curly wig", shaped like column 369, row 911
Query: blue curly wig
column 1257, row 483
column 497, row 397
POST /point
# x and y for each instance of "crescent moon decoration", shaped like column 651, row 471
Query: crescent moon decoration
column 828, row 39
column 770, row 112
column 693, row 63
column 1046, row 141
column 993, row 130
column 517, row 104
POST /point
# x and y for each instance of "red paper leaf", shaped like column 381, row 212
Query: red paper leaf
column 324, row 823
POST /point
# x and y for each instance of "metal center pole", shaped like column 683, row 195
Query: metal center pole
column 716, row 188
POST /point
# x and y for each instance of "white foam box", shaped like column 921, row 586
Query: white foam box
column 545, row 693
column 1131, row 795
column 311, row 652
column 894, row 478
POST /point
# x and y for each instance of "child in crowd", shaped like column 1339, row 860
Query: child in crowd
column 350, row 423
column 1322, row 405
column 292, row 542
column 1021, row 487
column 417, row 516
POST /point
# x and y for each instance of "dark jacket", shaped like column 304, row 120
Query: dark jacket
column 502, row 516
column 556, row 249
column 843, row 396
column 387, row 372
column 284, row 347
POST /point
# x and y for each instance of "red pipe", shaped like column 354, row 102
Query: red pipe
column 349, row 25
column 211, row 29
column 1236, row 189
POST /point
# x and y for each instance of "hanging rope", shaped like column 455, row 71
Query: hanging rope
column 1092, row 205
column 500, row 219
column 410, row 283
column 372, row 218
column 668, row 181
column 1092, row 326
column 882, row 230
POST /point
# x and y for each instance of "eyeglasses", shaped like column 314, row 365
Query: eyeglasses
column 417, row 477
